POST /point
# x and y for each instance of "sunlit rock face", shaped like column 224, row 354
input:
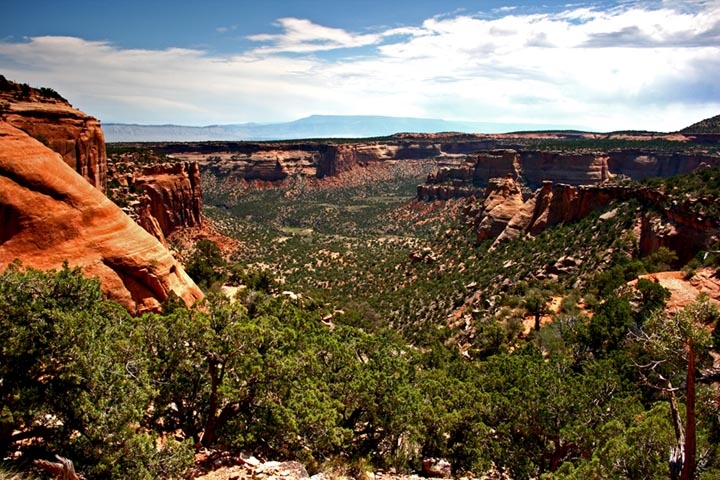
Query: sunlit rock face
column 502, row 214
column 50, row 119
column 172, row 198
column 50, row 214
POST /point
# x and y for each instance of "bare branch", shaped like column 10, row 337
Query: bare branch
column 63, row 469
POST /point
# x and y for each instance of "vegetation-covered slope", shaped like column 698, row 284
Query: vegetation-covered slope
column 398, row 339
column 709, row 125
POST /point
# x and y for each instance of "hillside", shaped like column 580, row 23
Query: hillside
column 709, row 125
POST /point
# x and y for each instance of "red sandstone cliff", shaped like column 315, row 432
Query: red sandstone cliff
column 162, row 197
column 503, row 215
column 50, row 214
column 503, row 198
column 272, row 162
column 173, row 195
column 43, row 114
column 532, row 167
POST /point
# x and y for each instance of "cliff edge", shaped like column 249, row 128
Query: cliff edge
column 49, row 118
column 49, row 214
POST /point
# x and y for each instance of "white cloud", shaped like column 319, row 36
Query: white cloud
column 629, row 67
column 300, row 35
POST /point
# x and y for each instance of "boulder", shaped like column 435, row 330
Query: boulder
column 437, row 468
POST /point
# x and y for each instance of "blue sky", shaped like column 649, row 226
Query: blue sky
column 603, row 65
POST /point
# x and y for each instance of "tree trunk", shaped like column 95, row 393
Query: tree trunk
column 209, row 432
column 682, row 456
column 677, row 453
column 688, row 470
column 63, row 469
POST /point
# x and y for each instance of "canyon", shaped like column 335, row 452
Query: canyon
column 515, row 184
column 513, row 187
column 533, row 167
column 465, row 162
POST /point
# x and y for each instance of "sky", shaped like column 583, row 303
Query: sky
column 601, row 65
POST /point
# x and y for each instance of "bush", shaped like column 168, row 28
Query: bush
column 206, row 265
column 67, row 357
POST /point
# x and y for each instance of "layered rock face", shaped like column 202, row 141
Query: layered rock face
column 77, row 137
column 636, row 164
column 678, row 228
column 250, row 162
column 173, row 195
column 503, row 198
column 50, row 214
column 273, row 162
column 553, row 204
column 564, row 167
column 533, row 167
column 503, row 215
column 495, row 164
column 162, row 197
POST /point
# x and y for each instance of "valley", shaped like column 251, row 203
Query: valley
column 533, row 305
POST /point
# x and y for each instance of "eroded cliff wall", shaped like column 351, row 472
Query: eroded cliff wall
column 50, row 214
column 173, row 196
column 502, row 215
column 49, row 118
column 533, row 167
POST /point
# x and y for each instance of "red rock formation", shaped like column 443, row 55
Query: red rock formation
column 495, row 164
column 551, row 205
column 678, row 229
column 446, row 192
column 172, row 200
column 564, row 167
column 253, row 162
column 531, row 218
column 337, row 159
column 490, row 156
column 50, row 214
column 637, row 164
column 533, row 167
column 52, row 120
column 503, row 198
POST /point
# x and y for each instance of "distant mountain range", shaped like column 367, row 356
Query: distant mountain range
column 315, row 126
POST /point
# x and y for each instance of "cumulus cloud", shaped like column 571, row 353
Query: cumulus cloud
column 631, row 66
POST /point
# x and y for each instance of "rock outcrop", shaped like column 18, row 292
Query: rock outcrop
column 173, row 195
column 533, row 167
column 574, row 168
column 49, row 118
column 502, row 214
column 639, row 164
column 675, row 226
column 161, row 198
column 464, row 161
column 276, row 161
column 49, row 214
column 503, row 198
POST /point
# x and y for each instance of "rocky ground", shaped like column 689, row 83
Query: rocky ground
column 218, row 466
